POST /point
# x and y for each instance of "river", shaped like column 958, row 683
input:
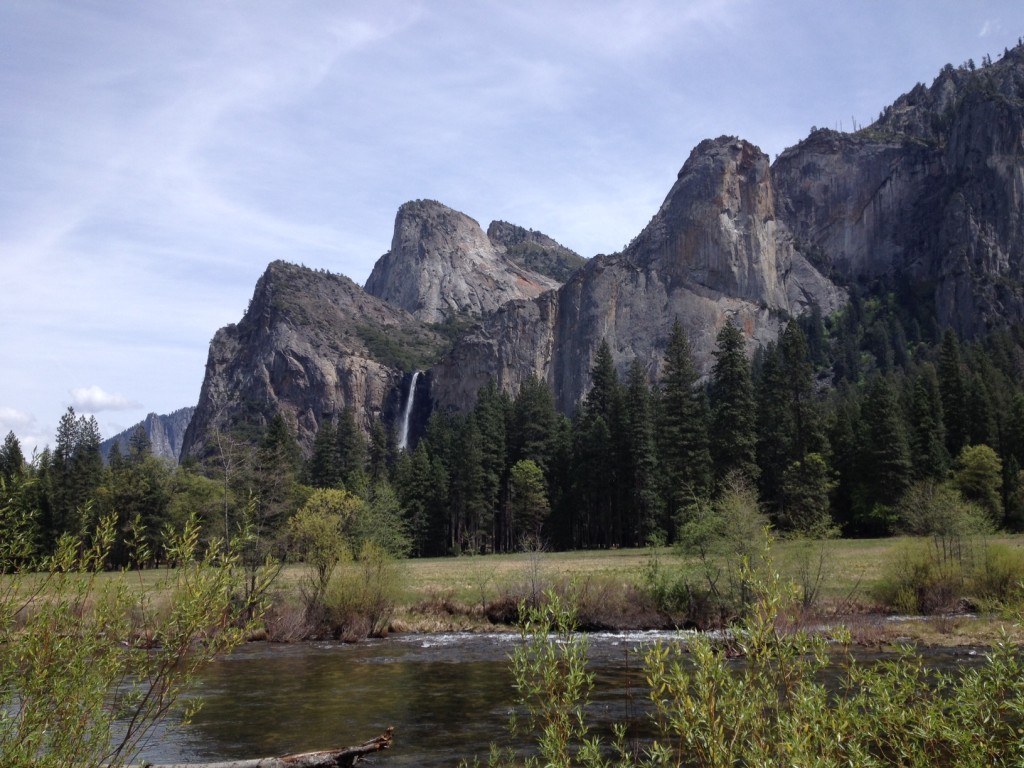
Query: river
column 447, row 696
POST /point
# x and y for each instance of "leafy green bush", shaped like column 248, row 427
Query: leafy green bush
column 361, row 598
column 88, row 666
column 794, row 699
column 920, row 581
column 708, row 587
column 998, row 577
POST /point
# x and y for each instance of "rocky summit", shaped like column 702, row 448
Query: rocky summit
column 927, row 204
column 310, row 345
column 442, row 265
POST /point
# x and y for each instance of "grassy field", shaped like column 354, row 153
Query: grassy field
column 851, row 567
column 459, row 593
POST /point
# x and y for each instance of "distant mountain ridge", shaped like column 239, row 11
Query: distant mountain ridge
column 166, row 434
column 926, row 203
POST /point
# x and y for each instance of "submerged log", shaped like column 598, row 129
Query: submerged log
column 331, row 758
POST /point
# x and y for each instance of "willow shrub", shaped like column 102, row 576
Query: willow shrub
column 89, row 662
column 790, row 698
column 361, row 598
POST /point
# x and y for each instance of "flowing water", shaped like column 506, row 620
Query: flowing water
column 448, row 696
column 403, row 434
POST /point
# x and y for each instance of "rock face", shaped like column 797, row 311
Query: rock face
column 441, row 265
column 931, row 195
column 714, row 252
column 311, row 344
column 928, row 201
column 166, row 434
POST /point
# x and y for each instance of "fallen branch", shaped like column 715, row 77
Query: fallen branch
column 331, row 758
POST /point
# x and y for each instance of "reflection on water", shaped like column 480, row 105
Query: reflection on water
column 448, row 697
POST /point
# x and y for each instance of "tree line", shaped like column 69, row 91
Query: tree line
column 842, row 425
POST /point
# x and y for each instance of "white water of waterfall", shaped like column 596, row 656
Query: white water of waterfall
column 403, row 435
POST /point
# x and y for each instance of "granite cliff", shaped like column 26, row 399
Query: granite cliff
column 166, row 434
column 931, row 195
column 310, row 345
column 442, row 265
column 928, row 201
column 714, row 252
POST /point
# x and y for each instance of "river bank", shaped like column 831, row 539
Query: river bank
column 481, row 594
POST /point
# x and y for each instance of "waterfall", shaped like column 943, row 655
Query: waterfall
column 403, row 435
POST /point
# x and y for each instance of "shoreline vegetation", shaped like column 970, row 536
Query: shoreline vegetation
column 76, row 634
column 843, row 582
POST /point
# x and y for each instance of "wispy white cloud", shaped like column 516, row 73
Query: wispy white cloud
column 94, row 399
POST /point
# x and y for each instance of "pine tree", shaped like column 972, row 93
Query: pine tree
column 139, row 445
column 928, row 437
column 1012, row 443
column 980, row 417
column 774, row 427
column 806, row 485
column 886, row 462
column 844, row 442
column 138, row 493
column 685, row 457
column 643, row 510
column 115, row 459
column 790, row 425
column 798, row 374
column 594, row 483
column 491, row 413
column 12, row 460
column 1013, row 494
column 953, row 389
column 733, row 433
column 561, row 523
column 533, row 424
column 378, row 453
column 471, row 527
column 278, row 462
column 351, row 451
column 63, row 511
column 422, row 488
column 597, row 454
column 87, row 465
column 529, row 499
column 604, row 398
column 323, row 469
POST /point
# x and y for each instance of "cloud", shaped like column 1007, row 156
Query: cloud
column 94, row 399
column 11, row 419
column 24, row 426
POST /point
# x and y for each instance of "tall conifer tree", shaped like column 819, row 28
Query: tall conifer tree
column 643, row 512
column 733, row 433
column 685, row 457
column 886, row 462
column 351, row 451
column 324, row 470
column 953, row 389
column 928, row 435
column 12, row 460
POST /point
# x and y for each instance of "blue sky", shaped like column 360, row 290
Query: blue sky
column 155, row 156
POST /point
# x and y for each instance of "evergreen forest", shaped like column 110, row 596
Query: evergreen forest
column 848, row 425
